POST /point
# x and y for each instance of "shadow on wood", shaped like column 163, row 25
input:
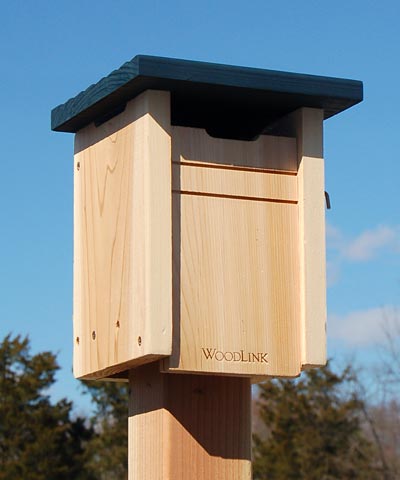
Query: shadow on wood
column 189, row 426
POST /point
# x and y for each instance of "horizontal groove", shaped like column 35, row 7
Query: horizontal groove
column 236, row 197
column 233, row 167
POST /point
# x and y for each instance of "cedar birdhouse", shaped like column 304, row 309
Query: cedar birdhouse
column 199, row 218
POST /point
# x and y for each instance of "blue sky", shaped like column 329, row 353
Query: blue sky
column 52, row 50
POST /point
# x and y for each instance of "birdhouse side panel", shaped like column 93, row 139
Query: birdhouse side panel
column 122, row 252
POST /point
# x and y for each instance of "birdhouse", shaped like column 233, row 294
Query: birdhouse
column 199, row 218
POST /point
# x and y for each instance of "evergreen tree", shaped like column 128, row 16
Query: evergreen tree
column 108, row 449
column 39, row 440
column 312, row 430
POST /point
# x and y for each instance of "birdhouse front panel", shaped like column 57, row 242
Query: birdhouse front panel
column 236, row 280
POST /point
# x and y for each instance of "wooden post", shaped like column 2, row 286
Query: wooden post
column 188, row 426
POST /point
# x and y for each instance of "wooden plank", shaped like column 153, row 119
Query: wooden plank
column 308, row 127
column 268, row 152
column 188, row 426
column 237, row 272
column 122, row 254
column 271, row 186
column 252, row 96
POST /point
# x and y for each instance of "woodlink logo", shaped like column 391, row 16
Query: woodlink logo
column 235, row 356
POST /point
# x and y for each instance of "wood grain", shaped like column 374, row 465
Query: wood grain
column 236, row 264
column 122, row 254
column 188, row 426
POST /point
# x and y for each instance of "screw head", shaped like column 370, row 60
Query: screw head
column 78, row 165
column 77, row 340
column 94, row 335
column 139, row 341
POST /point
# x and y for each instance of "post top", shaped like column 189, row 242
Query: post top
column 208, row 95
